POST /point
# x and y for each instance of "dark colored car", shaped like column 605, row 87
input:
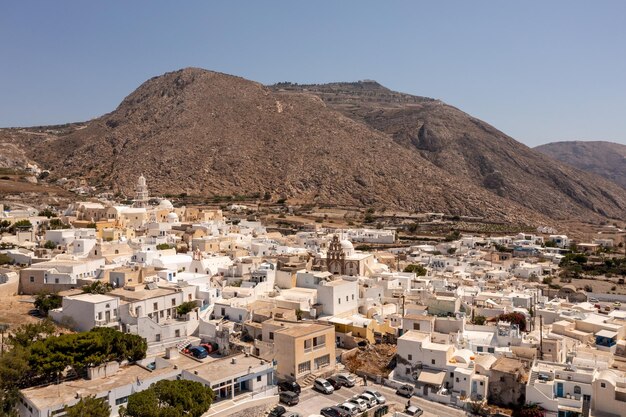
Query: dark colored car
column 292, row 386
column 334, row 382
column 405, row 391
column 198, row 352
column 334, row 412
column 210, row 346
column 277, row 411
column 288, row 398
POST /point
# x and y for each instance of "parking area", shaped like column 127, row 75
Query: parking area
column 311, row 401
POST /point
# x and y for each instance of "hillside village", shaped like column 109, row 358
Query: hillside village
column 469, row 322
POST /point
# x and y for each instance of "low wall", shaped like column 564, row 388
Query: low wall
column 249, row 408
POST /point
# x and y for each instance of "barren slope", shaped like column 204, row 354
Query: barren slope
column 471, row 150
column 201, row 132
column 607, row 159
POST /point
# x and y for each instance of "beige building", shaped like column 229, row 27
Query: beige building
column 300, row 348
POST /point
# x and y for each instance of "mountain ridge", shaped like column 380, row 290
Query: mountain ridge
column 207, row 133
column 604, row 158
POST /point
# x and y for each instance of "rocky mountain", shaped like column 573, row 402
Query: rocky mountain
column 206, row 133
column 607, row 159
column 471, row 150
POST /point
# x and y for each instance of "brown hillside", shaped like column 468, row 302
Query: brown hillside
column 607, row 159
column 471, row 150
column 206, row 133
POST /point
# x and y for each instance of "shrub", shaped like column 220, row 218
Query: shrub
column 185, row 308
column 514, row 318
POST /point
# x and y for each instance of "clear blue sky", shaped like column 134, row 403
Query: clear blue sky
column 540, row 71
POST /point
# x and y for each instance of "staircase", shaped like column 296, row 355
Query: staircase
column 182, row 344
column 308, row 380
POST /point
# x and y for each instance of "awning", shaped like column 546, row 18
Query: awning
column 431, row 377
column 569, row 408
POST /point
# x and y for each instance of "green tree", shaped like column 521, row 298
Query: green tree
column 186, row 307
column 89, row 407
column 50, row 245
column 57, row 224
column 22, row 224
column 419, row 270
column 47, row 213
column 97, row 287
column 45, row 302
column 26, row 334
column 164, row 246
column 480, row 320
column 5, row 259
column 514, row 318
column 170, row 399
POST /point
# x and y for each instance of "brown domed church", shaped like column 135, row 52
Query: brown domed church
column 342, row 259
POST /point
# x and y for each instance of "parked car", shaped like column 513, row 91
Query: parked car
column 369, row 399
column 334, row 412
column 379, row 397
column 413, row 411
column 210, row 346
column 346, row 380
column 352, row 409
column 292, row 386
column 334, row 382
column 592, row 300
column 288, row 398
column 405, row 391
column 277, row 411
column 323, row 386
column 359, row 402
column 198, row 352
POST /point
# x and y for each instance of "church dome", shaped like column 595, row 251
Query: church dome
column 166, row 204
column 346, row 245
column 172, row 217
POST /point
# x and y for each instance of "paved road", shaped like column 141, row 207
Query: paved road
column 311, row 402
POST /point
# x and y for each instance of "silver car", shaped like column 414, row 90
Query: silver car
column 369, row 399
column 379, row 397
column 323, row 386
column 359, row 402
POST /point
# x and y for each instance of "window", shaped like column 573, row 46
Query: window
column 482, row 383
column 501, row 379
column 432, row 361
column 479, row 348
column 602, row 384
column 457, row 380
column 304, row 367
column 32, row 279
column 177, row 333
column 155, row 306
column 56, row 280
column 338, row 300
column 173, row 302
column 352, row 296
column 576, row 389
column 271, row 335
column 347, row 299
column 407, row 371
column 416, row 326
column 258, row 378
column 491, row 350
column 322, row 361
column 121, row 401
column 451, row 374
column 410, row 357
